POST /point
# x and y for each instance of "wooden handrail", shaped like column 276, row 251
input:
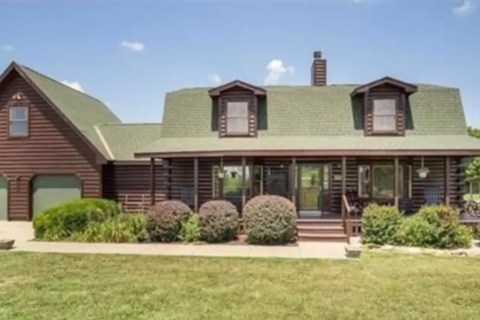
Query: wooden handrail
column 348, row 209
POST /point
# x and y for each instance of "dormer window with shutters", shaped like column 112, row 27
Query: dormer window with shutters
column 385, row 106
column 237, row 104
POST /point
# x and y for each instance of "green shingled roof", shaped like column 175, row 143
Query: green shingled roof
column 123, row 139
column 314, row 118
column 81, row 109
column 318, row 111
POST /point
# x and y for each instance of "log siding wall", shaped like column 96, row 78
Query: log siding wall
column 179, row 173
column 52, row 147
column 129, row 185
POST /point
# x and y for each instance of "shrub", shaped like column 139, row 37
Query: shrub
column 122, row 228
column 269, row 219
column 190, row 230
column 435, row 226
column 438, row 215
column 380, row 224
column 61, row 221
column 164, row 220
column 416, row 231
column 454, row 235
column 218, row 221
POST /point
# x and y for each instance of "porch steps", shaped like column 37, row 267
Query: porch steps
column 321, row 230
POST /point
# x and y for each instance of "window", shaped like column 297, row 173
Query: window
column 237, row 118
column 18, row 124
column 383, row 181
column 364, row 181
column 379, row 183
column 232, row 182
column 384, row 115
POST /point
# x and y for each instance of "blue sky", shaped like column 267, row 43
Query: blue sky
column 129, row 53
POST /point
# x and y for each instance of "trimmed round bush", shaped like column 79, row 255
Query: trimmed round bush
column 164, row 220
column 270, row 219
column 380, row 224
column 61, row 221
column 218, row 221
column 416, row 231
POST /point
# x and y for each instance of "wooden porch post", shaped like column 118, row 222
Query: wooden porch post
column 195, row 184
column 220, row 181
column 395, row 181
column 293, row 182
column 152, row 181
column 168, row 164
column 447, row 181
column 244, row 191
column 344, row 185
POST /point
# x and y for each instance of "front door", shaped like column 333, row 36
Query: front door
column 313, row 189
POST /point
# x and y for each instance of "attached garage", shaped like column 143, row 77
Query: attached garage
column 50, row 190
column 3, row 198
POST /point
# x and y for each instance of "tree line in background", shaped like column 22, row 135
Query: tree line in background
column 473, row 167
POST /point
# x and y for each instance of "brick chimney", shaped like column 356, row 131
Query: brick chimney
column 319, row 70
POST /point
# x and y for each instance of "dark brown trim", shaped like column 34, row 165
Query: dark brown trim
column 293, row 183
column 407, row 87
column 310, row 153
column 7, row 180
column 244, row 191
column 152, row 181
column 447, row 181
column 395, row 182
column 195, row 184
column 344, row 185
column 215, row 92
column 137, row 162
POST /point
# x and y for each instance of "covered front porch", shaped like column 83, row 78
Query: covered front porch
column 320, row 187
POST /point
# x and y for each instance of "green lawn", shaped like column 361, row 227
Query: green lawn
column 380, row 286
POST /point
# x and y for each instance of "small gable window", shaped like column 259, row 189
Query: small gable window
column 384, row 115
column 237, row 118
column 18, row 121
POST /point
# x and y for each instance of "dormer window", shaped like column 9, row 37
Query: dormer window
column 384, row 115
column 237, row 108
column 385, row 106
column 237, row 118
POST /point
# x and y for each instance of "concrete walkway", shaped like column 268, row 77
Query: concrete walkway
column 22, row 233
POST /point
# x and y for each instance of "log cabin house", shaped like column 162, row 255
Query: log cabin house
column 331, row 149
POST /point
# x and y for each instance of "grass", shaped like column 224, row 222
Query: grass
column 380, row 286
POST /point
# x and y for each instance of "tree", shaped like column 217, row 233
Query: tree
column 473, row 167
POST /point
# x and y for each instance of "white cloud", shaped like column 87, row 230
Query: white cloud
column 133, row 45
column 8, row 47
column 464, row 8
column 74, row 85
column 275, row 70
column 215, row 79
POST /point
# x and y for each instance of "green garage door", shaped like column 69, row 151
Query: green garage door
column 3, row 198
column 50, row 190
